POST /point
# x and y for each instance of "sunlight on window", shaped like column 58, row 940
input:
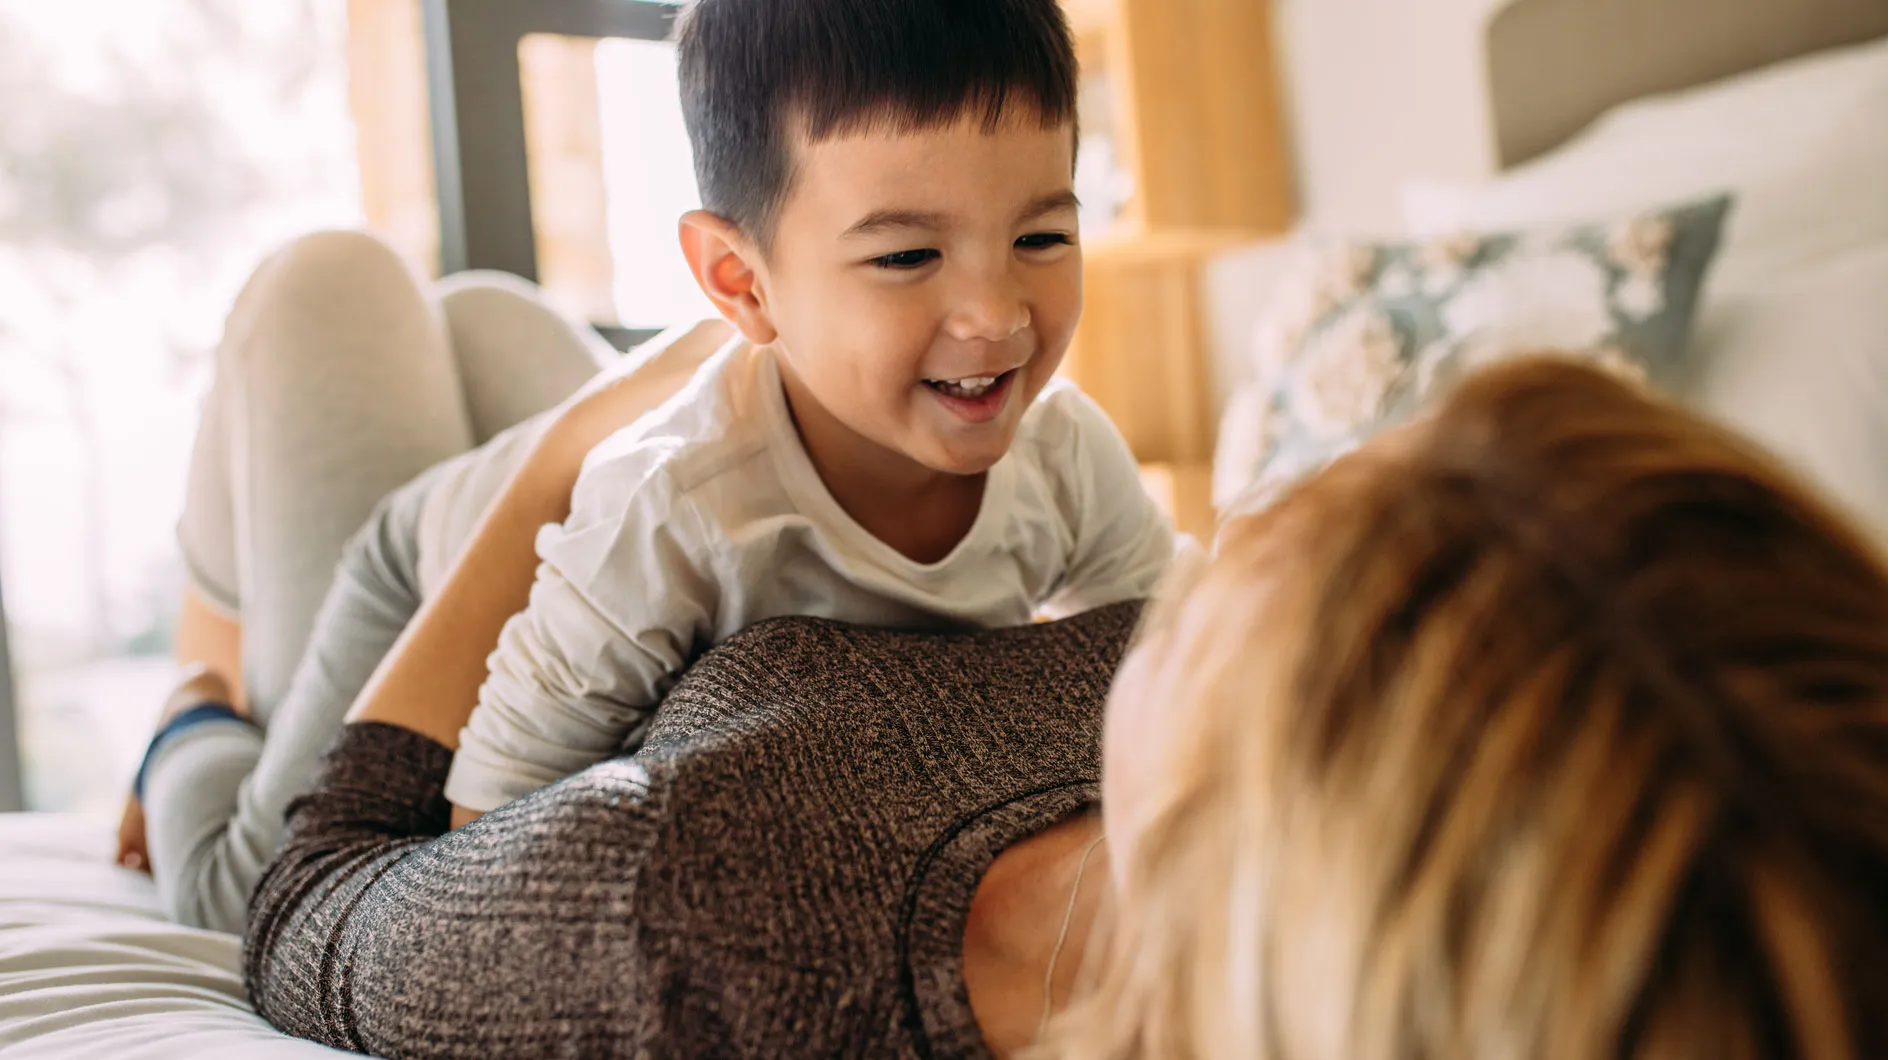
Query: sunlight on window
column 650, row 180
column 151, row 153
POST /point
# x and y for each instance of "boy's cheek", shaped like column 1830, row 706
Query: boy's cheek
column 1059, row 304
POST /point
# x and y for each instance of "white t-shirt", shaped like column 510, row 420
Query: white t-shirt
column 706, row 516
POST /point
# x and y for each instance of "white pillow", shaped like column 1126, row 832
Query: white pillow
column 1725, row 136
column 1803, row 145
column 1801, row 365
column 1792, row 343
column 1793, row 211
column 1238, row 286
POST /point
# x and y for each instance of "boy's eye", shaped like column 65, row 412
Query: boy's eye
column 1044, row 240
column 906, row 259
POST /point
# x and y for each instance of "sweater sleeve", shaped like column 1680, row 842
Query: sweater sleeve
column 373, row 932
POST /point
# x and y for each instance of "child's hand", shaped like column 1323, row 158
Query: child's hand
column 131, row 850
column 199, row 685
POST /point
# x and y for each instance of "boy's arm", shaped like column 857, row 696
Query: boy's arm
column 623, row 596
column 1123, row 541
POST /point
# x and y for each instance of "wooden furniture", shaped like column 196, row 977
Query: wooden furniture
column 1555, row 65
column 1185, row 493
column 386, row 86
column 1191, row 93
column 1195, row 103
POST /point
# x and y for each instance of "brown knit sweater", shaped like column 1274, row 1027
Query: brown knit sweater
column 783, row 870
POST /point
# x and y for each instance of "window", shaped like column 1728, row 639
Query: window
column 649, row 180
column 151, row 153
column 609, row 172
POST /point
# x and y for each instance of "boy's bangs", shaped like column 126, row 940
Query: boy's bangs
column 993, row 108
column 755, row 73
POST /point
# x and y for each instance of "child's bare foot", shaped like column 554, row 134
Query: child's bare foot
column 132, row 853
column 198, row 685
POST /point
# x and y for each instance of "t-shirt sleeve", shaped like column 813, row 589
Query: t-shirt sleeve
column 1123, row 542
column 624, row 597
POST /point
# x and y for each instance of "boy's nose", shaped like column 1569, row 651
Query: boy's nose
column 988, row 312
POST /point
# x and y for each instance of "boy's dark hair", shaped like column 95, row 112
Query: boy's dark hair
column 753, row 72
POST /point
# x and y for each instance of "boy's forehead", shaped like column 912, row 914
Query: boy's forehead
column 1017, row 158
column 892, row 120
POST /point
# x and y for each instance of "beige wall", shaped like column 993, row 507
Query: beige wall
column 1379, row 91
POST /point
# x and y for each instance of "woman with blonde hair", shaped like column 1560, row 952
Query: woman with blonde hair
column 1554, row 725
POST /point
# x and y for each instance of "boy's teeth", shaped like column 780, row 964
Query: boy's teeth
column 966, row 388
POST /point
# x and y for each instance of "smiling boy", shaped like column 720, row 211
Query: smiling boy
column 890, row 223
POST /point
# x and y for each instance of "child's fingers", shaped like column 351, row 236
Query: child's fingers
column 132, row 853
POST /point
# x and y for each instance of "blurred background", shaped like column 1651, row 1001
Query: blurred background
column 152, row 152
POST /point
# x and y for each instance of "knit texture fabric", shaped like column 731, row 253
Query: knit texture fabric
column 784, row 869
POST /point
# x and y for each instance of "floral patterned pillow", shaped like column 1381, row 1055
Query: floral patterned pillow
column 1363, row 334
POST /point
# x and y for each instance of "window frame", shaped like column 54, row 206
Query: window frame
column 481, row 171
column 12, row 779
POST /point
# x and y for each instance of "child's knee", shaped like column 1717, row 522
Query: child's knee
column 325, row 291
column 339, row 254
column 332, row 270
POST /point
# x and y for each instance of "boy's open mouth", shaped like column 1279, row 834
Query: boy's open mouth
column 974, row 399
column 975, row 388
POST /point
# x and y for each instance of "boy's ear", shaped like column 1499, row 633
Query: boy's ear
column 723, row 261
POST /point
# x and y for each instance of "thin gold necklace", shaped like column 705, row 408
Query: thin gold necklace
column 1062, row 937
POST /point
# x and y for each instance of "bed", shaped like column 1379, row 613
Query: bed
column 1600, row 108
column 89, row 969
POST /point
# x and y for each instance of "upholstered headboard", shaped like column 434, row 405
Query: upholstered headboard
column 1555, row 65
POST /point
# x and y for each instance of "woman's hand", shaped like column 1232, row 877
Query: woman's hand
column 198, row 685
column 622, row 394
column 429, row 683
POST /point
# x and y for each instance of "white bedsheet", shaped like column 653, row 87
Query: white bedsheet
column 90, row 969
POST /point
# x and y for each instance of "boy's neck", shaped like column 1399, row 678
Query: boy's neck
column 918, row 511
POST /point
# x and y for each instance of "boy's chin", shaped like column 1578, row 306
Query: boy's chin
column 960, row 462
column 956, row 449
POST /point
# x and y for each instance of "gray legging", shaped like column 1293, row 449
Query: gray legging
column 341, row 380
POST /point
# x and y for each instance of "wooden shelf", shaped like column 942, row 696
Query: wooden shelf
column 1192, row 94
column 1139, row 350
column 1134, row 245
column 1185, row 493
column 1195, row 108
